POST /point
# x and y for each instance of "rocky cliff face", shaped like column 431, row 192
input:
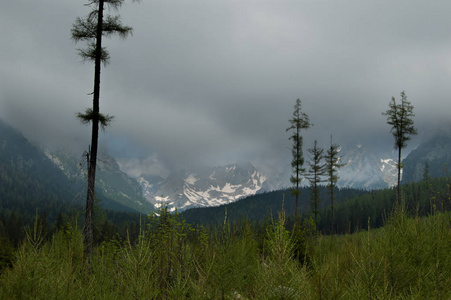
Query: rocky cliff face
column 366, row 168
column 203, row 187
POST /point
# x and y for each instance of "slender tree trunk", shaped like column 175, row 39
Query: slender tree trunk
column 315, row 199
column 398, row 193
column 297, row 195
column 331, row 210
column 88, row 226
column 298, row 169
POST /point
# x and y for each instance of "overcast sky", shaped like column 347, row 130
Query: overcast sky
column 213, row 82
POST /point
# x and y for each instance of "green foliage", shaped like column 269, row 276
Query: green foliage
column 399, row 117
column 89, row 115
column 299, row 121
column 6, row 252
column 281, row 276
column 332, row 158
column 85, row 29
column 304, row 236
column 408, row 258
column 317, row 169
column 42, row 270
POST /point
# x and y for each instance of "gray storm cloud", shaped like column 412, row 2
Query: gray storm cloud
column 204, row 82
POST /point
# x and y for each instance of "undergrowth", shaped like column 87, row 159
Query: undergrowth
column 409, row 258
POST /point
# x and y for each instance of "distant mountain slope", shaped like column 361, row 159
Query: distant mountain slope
column 203, row 187
column 436, row 152
column 29, row 178
column 111, row 182
column 366, row 168
column 354, row 210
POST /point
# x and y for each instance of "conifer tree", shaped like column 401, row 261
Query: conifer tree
column 332, row 165
column 399, row 117
column 317, row 169
column 91, row 29
column 299, row 121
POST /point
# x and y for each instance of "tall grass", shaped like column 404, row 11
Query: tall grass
column 409, row 258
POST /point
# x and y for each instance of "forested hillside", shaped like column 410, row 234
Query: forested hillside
column 353, row 208
column 29, row 179
column 260, row 206
column 32, row 186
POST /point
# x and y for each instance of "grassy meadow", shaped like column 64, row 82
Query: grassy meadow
column 408, row 258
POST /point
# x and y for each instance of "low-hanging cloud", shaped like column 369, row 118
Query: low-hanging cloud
column 204, row 82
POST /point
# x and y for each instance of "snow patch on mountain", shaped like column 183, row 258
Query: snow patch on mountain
column 366, row 168
column 191, row 179
column 205, row 187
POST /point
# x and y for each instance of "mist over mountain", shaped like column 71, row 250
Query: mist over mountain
column 27, row 175
column 111, row 182
column 366, row 167
column 31, row 175
column 203, row 186
column 435, row 152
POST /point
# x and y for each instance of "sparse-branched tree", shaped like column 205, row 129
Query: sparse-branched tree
column 317, row 169
column 299, row 121
column 91, row 29
column 399, row 117
column 332, row 158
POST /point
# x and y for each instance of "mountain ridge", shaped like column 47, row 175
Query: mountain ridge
column 435, row 151
column 110, row 180
column 207, row 186
column 31, row 174
column 366, row 168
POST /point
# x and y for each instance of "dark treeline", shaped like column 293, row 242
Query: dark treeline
column 354, row 209
column 53, row 217
column 373, row 208
column 260, row 206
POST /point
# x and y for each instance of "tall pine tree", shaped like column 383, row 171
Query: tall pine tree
column 91, row 29
column 317, row 169
column 399, row 117
column 332, row 158
column 298, row 122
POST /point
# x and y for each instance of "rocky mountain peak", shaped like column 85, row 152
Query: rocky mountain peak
column 203, row 187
